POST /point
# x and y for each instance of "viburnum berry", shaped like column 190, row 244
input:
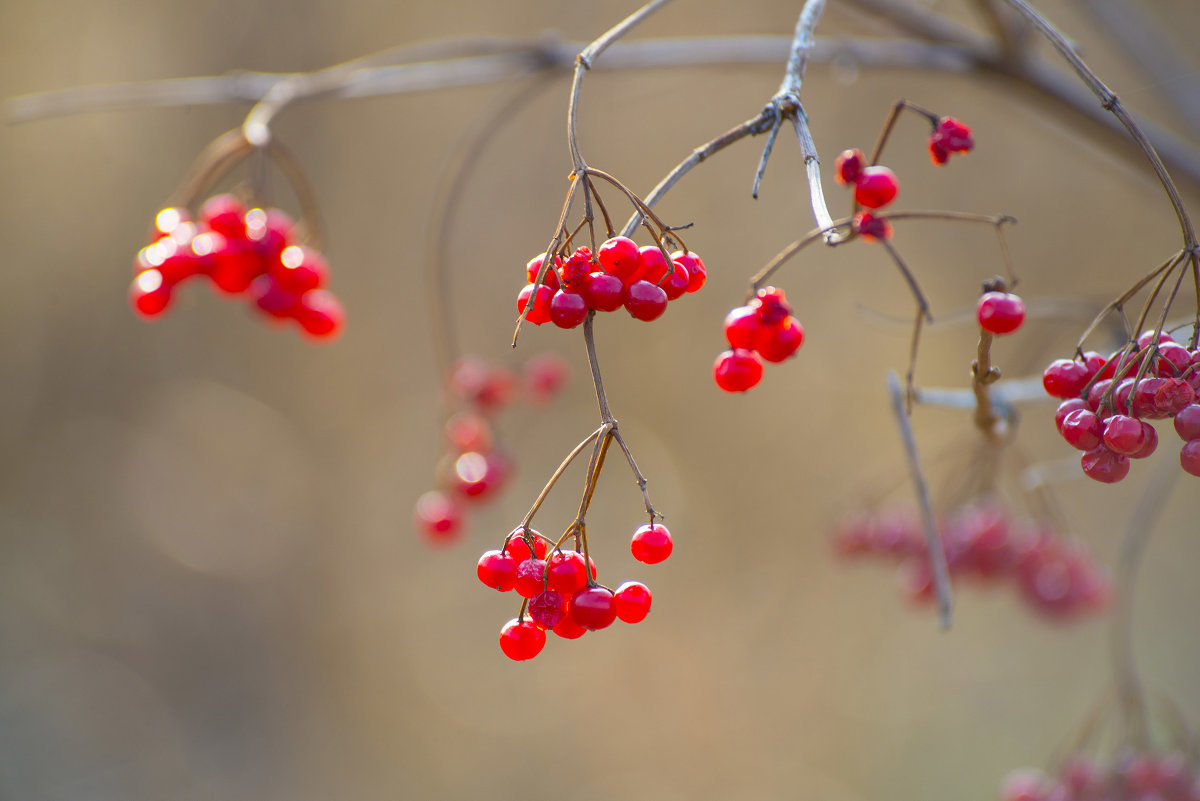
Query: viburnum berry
column 300, row 269
column 150, row 294
column 1083, row 430
column 1104, row 465
column 1189, row 457
column 1187, row 422
column 548, row 608
column 568, row 629
column 619, row 256
column 632, row 601
column 876, row 187
column 653, row 266
column 521, row 639
column 645, row 301
column 743, row 328
column 438, row 518
column 737, row 370
column 320, row 314
column 675, row 284
column 772, row 305
column 497, row 570
column 871, row 227
column 1065, row 378
column 224, row 214
column 593, row 607
column 567, row 309
column 604, row 292
column 1065, row 408
column 848, row 166
column 535, row 265
column 696, row 272
column 518, row 548
column 540, row 313
column 530, row 577
column 566, row 573
column 575, row 269
column 651, row 544
column 1124, row 434
column 1149, row 445
column 949, row 136
column 781, row 341
column 1000, row 312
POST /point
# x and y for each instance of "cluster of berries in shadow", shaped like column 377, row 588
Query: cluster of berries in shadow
column 475, row 466
column 762, row 330
column 619, row 275
column 1106, row 408
column 250, row 253
column 1056, row 578
column 1136, row 775
column 559, row 590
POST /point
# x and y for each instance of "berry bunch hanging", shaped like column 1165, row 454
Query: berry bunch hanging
column 1135, row 775
column 762, row 330
column 1108, row 403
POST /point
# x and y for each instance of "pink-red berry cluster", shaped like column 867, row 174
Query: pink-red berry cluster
column 1135, row 776
column 560, row 591
column 874, row 186
column 1106, row 413
column 250, row 253
column 619, row 275
column 949, row 136
column 762, row 330
column 1055, row 578
column 475, row 466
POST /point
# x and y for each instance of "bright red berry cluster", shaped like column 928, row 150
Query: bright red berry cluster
column 949, row 136
column 1105, row 411
column 252, row 253
column 620, row 274
column 1134, row 776
column 474, row 466
column 762, row 330
column 1055, row 578
column 560, row 591
column 1000, row 312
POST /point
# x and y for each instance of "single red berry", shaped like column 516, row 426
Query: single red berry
column 1000, row 312
column 697, row 274
column 1142, row 397
column 521, row 639
column 848, row 166
column 1149, row 445
column 651, row 544
column 497, row 570
column 531, row 577
column 1148, row 336
column 566, row 573
column 743, row 329
column 1104, row 465
column 568, row 629
column 1124, row 434
column 518, row 548
column 633, row 601
column 876, row 187
column 1082, row 430
column 593, row 607
column 676, row 282
column 871, row 227
column 1187, row 422
column 300, row 269
column 1173, row 359
column 575, row 269
column 1096, row 393
column 150, row 294
column 619, row 256
column 782, row 341
column 438, row 518
column 548, row 608
column 1065, row 378
column 1065, row 408
column 226, row 215
column 604, row 292
column 652, row 265
column 1189, row 457
column 1173, row 396
column 535, row 264
column 320, row 314
column 737, row 370
column 567, row 309
column 645, row 301
column 540, row 313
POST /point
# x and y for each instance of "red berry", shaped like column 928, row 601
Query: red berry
column 652, row 265
column 271, row 232
column 1082, row 430
column 651, row 544
column 1187, row 422
column 1189, row 457
column 1000, row 312
column 697, row 275
column 150, row 294
column 300, row 269
column 548, row 608
column 949, row 136
column 871, row 227
column 876, row 187
column 320, row 314
column 438, row 518
column 565, row 572
column 632, row 601
column 518, row 549
column 1173, row 359
column 772, row 306
column 603, row 292
column 737, row 370
column 540, row 313
column 1104, row 465
column 1173, row 396
column 1065, row 408
column 226, row 215
column 619, row 256
column 1065, row 378
column 568, row 629
column 575, row 269
column 781, row 342
column 848, row 166
column 535, row 264
column 1149, row 446
column 235, row 262
column 567, row 309
column 531, row 577
column 521, row 639
column 497, row 570
column 273, row 299
column 743, row 329
column 1124, row 435
column 645, row 301
column 676, row 282
column 593, row 607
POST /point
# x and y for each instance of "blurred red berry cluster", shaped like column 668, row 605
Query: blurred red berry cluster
column 1139, row 775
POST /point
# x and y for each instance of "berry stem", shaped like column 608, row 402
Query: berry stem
column 933, row 542
column 637, row 475
column 578, row 449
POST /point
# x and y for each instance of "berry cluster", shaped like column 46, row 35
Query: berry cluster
column 559, row 588
column 243, row 252
column 763, row 329
column 949, row 136
column 474, row 466
column 619, row 274
column 1135, row 776
column 1105, row 410
column 875, row 186
column 1056, row 579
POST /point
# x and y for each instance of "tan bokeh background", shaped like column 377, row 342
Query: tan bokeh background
column 209, row 583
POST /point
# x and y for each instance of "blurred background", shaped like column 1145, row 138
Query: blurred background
column 210, row 585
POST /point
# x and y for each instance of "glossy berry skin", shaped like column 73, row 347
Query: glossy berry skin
column 1187, row 422
column 1065, row 378
column 530, row 577
column 567, row 309
column 1189, row 457
column 697, row 274
column 645, row 301
column 619, row 256
column 1065, row 408
column 593, row 608
column 652, row 265
column 568, row 629
column 603, row 292
column 521, row 639
column 675, row 284
column 1150, row 445
column 772, row 306
column 547, row 609
column 743, row 328
column 633, row 601
column 1082, row 430
column 781, row 342
column 848, row 166
column 497, row 570
column 300, row 269
column 651, row 544
column 1124, row 435
column 535, row 264
column 737, row 370
column 540, row 313
column 1000, row 312
column 876, row 187
column 518, row 549
column 1104, row 465
column 565, row 572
